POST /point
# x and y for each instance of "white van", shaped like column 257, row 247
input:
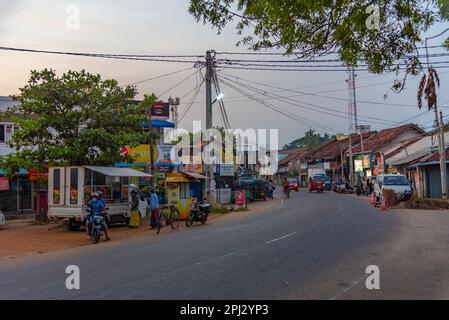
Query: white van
column 396, row 182
column 69, row 189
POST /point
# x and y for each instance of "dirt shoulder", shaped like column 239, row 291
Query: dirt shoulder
column 24, row 238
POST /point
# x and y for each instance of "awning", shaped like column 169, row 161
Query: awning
column 159, row 124
column 176, row 178
column 196, row 175
column 118, row 172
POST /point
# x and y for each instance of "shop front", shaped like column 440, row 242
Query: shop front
column 180, row 188
column 17, row 193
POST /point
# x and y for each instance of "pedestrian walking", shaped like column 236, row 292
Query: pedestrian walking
column 271, row 188
column 286, row 188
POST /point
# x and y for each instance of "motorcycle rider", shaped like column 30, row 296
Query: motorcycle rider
column 97, row 207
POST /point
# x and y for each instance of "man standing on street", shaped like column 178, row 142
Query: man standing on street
column 154, row 203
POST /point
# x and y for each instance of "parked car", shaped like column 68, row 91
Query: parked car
column 293, row 184
column 396, row 182
column 2, row 219
column 316, row 184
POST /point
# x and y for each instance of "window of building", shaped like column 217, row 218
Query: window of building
column 56, row 186
column 2, row 133
column 184, row 191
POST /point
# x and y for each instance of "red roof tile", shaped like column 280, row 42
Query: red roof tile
column 377, row 140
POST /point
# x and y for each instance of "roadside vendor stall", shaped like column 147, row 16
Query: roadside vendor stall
column 70, row 188
column 181, row 188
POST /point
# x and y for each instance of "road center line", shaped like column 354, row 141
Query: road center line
column 280, row 238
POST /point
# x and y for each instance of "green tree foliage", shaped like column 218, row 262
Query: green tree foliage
column 74, row 119
column 310, row 139
column 318, row 27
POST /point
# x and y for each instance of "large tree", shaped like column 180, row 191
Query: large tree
column 74, row 119
column 319, row 27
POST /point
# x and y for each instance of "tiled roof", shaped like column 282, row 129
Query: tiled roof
column 376, row 141
column 292, row 156
column 332, row 149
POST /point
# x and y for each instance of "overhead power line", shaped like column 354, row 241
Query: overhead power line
column 180, row 82
column 303, row 93
column 308, row 123
column 137, row 57
column 258, row 53
column 317, row 108
column 160, row 76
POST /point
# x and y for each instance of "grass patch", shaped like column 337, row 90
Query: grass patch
column 241, row 209
column 219, row 209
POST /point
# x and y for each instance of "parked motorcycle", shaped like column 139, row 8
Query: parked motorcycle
column 94, row 225
column 361, row 190
column 198, row 213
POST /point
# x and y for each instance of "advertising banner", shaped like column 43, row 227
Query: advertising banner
column 160, row 111
column 4, row 184
column 240, row 197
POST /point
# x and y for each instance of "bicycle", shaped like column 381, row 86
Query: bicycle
column 172, row 218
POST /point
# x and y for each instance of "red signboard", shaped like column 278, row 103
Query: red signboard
column 240, row 197
column 4, row 184
column 124, row 152
column 34, row 175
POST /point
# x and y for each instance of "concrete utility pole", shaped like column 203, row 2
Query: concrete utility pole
column 440, row 132
column 351, row 112
column 209, row 167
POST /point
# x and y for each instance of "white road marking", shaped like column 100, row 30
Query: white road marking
column 280, row 238
column 347, row 289
column 231, row 254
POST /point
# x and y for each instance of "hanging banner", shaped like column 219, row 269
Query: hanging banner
column 4, row 184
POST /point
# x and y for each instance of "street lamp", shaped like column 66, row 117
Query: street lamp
column 219, row 97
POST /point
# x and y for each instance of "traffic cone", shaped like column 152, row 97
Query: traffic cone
column 383, row 203
column 372, row 200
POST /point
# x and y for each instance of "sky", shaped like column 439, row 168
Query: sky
column 165, row 27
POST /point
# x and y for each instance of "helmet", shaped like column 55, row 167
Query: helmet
column 95, row 195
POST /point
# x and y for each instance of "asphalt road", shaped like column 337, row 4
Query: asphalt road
column 312, row 246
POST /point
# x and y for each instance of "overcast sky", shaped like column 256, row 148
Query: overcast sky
column 165, row 27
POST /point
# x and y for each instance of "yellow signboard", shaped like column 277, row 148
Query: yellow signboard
column 141, row 153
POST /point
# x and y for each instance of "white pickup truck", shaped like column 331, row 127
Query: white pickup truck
column 69, row 189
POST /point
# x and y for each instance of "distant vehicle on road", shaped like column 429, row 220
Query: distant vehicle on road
column 396, row 182
column 293, row 184
column 2, row 219
column 317, row 184
column 327, row 181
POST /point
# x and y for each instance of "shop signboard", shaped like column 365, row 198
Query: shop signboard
column 366, row 162
column 160, row 111
column 240, row 198
column 226, row 170
column 34, row 175
column 141, row 153
column 358, row 165
column 164, row 153
column 4, row 184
